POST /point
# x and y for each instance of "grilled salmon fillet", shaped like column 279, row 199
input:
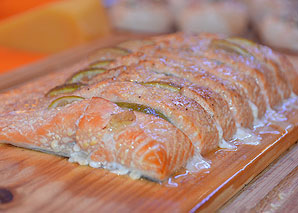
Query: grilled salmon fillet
column 148, row 108
column 105, row 133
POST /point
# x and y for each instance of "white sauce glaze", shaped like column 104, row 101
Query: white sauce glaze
column 197, row 163
column 226, row 145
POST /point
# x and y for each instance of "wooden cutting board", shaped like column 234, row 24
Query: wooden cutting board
column 36, row 182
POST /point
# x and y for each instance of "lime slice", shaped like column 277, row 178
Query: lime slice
column 229, row 47
column 100, row 64
column 142, row 108
column 108, row 53
column 164, row 85
column 133, row 45
column 120, row 120
column 85, row 75
column 62, row 101
column 247, row 43
column 66, row 88
column 242, row 41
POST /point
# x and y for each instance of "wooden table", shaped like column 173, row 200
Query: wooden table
column 273, row 190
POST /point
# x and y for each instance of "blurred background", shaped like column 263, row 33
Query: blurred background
column 34, row 29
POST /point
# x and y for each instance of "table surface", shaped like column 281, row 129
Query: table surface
column 273, row 190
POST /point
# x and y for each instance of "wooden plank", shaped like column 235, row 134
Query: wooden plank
column 276, row 187
column 45, row 183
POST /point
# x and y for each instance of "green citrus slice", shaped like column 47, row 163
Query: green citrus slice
column 100, row 64
column 242, row 41
column 142, row 108
column 62, row 89
column 85, row 75
column 164, row 85
column 62, row 101
column 108, row 53
column 229, row 47
column 120, row 120
column 135, row 44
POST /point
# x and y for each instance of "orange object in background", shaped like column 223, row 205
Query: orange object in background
column 11, row 59
column 32, row 29
column 9, row 7
column 56, row 26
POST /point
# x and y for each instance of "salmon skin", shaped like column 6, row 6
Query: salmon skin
column 148, row 108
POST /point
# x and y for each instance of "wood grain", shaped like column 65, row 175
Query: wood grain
column 275, row 189
column 46, row 183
